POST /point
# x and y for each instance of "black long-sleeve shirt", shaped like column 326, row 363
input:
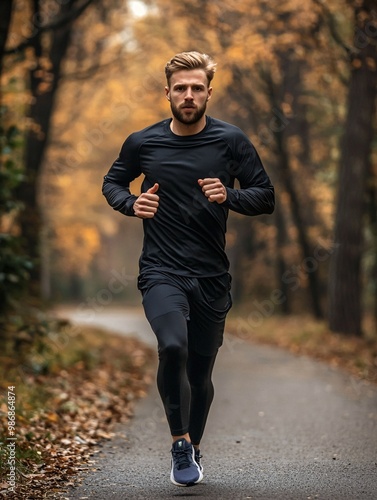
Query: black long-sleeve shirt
column 187, row 234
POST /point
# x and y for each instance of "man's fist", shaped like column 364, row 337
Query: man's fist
column 146, row 204
column 213, row 189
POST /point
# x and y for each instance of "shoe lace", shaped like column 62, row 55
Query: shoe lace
column 182, row 459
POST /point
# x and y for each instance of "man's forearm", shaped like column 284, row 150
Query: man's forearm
column 251, row 201
column 119, row 197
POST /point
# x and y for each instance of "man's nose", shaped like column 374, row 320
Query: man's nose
column 188, row 95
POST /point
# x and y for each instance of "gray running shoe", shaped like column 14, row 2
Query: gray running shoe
column 184, row 469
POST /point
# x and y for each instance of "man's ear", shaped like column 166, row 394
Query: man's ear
column 209, row 93
column 167, row 93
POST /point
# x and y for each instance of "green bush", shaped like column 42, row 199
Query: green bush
column 14, row 266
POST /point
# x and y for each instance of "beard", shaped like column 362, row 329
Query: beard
column 188, row 119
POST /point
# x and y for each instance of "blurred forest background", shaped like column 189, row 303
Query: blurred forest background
column 77, row 77
column 299, row 77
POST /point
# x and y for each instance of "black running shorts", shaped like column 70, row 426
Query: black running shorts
column 204, row 302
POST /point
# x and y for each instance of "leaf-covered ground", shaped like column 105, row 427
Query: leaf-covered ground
column 62, row 415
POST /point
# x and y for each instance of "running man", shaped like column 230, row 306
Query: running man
column 190, row 162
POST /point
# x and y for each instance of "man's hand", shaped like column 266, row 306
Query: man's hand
column 146, row 204
column 213, row 189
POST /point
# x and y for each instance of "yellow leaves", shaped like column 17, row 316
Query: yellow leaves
column 236, row 54
column 288, row 39
column 52, row 417
column 286, row 106
column 356, row 63
column 371, row 63
column 223, row 79
column 109, row 226
column 77, row 245
column 249, row 47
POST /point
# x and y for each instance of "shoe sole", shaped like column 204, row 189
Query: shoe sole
column 191, row 483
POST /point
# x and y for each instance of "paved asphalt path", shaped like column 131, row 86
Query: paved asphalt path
column 281, row 427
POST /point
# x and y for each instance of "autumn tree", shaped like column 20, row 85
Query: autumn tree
column 48, row 40
column 96, row 100
column 345, row 279
column 45, row 38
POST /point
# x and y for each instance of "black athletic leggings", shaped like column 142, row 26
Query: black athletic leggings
column 183, row 377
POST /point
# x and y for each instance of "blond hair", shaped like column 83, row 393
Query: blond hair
column 190, row 60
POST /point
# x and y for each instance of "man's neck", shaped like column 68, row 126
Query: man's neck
column 179, row 128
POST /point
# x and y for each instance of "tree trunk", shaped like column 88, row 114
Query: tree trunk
column 43, row 87
column 303, row 207
column 345, row 276
column 286, row 179
column 306, row 247
column 242, row 247
column 282, row 268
